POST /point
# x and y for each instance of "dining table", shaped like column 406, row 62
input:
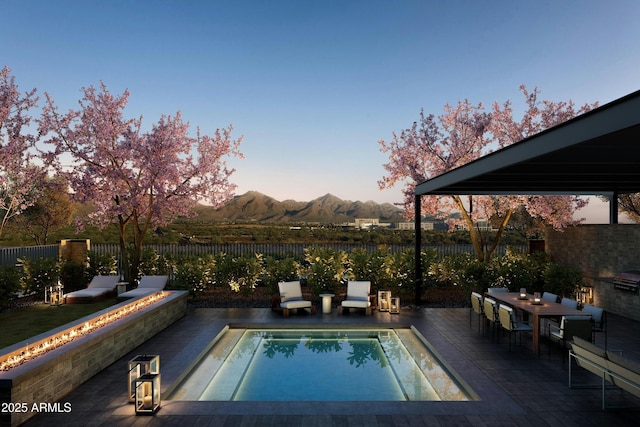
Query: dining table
column 537, row 312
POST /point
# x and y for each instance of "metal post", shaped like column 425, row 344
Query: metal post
column 418, row 255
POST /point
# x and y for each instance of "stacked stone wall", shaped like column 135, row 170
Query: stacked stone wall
column 601, row 252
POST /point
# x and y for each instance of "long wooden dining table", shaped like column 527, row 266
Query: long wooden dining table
column 537, row 312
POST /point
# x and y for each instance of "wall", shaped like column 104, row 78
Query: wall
column 601, row 252
column 50, row 377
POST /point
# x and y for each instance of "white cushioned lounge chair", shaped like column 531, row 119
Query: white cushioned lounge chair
column 291, row 298
column 148, row 285
column 100, row 288
column 357, row 296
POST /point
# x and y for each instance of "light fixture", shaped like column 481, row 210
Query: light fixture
column 138, row 366
column 395, row 305
column 147, row 391
column 536, row 298
column 54, row 295
column 384, row 300
column 523, row 293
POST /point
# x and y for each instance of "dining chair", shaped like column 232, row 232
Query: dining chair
column 491, row 313
column 509, row 322
column 477, row 307
column 550, row 297
column 598, row 321
column 569, row 302
column 570, row 326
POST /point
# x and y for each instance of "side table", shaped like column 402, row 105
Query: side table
column 326, row 302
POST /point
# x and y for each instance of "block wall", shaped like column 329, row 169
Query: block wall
column 601, row 251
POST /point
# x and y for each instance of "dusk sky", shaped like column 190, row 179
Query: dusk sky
column 313, row 85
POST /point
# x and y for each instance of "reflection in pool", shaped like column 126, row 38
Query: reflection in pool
column 319, row 365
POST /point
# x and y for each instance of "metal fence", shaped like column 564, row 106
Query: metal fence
column 10, row 255
column 294, row 250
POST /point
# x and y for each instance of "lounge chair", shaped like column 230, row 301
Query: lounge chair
column 148, row 285
column 357, row 297
column 291, row 298
column 100, row 288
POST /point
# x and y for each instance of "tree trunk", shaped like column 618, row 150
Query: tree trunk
column 476, row 239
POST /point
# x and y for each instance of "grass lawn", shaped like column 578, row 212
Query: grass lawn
column 30, row 321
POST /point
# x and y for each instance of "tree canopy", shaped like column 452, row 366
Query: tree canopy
column 465, row 132
column 136, row 179
column 20, row 175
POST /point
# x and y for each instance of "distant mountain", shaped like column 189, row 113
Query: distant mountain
column 255, row 206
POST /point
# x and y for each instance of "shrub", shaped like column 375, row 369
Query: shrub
column 102, row 265
column 562, row 280
column 279, row 270
column 325, row 269
column 38, row 275
column 74, row 276
column 9, row 285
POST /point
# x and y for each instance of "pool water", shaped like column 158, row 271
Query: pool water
column 319, row 365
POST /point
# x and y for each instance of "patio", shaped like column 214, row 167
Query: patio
column 515, row 388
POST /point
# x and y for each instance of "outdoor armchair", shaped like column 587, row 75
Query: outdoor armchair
column 291, row 298
column 357, row 296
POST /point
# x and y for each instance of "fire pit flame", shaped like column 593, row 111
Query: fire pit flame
column 30, row 352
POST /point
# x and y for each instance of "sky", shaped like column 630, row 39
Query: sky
column 313, row 85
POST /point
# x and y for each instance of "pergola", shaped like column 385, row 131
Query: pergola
column 597, row 153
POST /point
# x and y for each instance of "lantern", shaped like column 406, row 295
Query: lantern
column 140, row 365
column 384, row 300
column 523, row 293
column 536, row 298
column 54, row 295
column 394, row 308
column 147, row 391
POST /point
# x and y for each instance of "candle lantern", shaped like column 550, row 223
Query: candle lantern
column 54, row 295
column 586, row 295
column 147, row 391
column 523, row 293
column 384, row 300
column 138, row 366
column 536, row 298
column 395, row 305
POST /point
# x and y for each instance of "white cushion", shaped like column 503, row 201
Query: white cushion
column 89, row 293
column 295, row 304
column 290, row 291
column 104, row 282
column 356, row 303
column 358, row 290
column 154, row 282
column 137, row 292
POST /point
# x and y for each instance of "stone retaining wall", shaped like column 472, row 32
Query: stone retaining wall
column 48, row 378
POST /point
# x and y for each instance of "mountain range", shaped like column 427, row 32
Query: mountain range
column 257, row 207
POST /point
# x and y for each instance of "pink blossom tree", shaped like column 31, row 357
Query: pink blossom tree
column 20, row 174
column 464, row 133
column 137, row 180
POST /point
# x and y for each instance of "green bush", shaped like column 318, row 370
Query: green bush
column 279, row 270
column 74, row 276
column 325, row 269
column 102, row 265
column 39, row 274
column 194, row 273
column 9, row 285
column 562, row 280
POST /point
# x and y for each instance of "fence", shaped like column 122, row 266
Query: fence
column 10, row 255
column 294, row 250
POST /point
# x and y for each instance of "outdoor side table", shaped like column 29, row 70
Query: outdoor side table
column 326, row 302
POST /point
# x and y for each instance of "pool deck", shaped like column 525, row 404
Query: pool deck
column 515, row 388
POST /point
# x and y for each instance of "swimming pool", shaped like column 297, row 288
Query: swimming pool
column 381, row 364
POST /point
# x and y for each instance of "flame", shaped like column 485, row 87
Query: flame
column 30, row 352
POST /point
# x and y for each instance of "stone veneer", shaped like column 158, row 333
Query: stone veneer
column 51, row 376
column 601, row 251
